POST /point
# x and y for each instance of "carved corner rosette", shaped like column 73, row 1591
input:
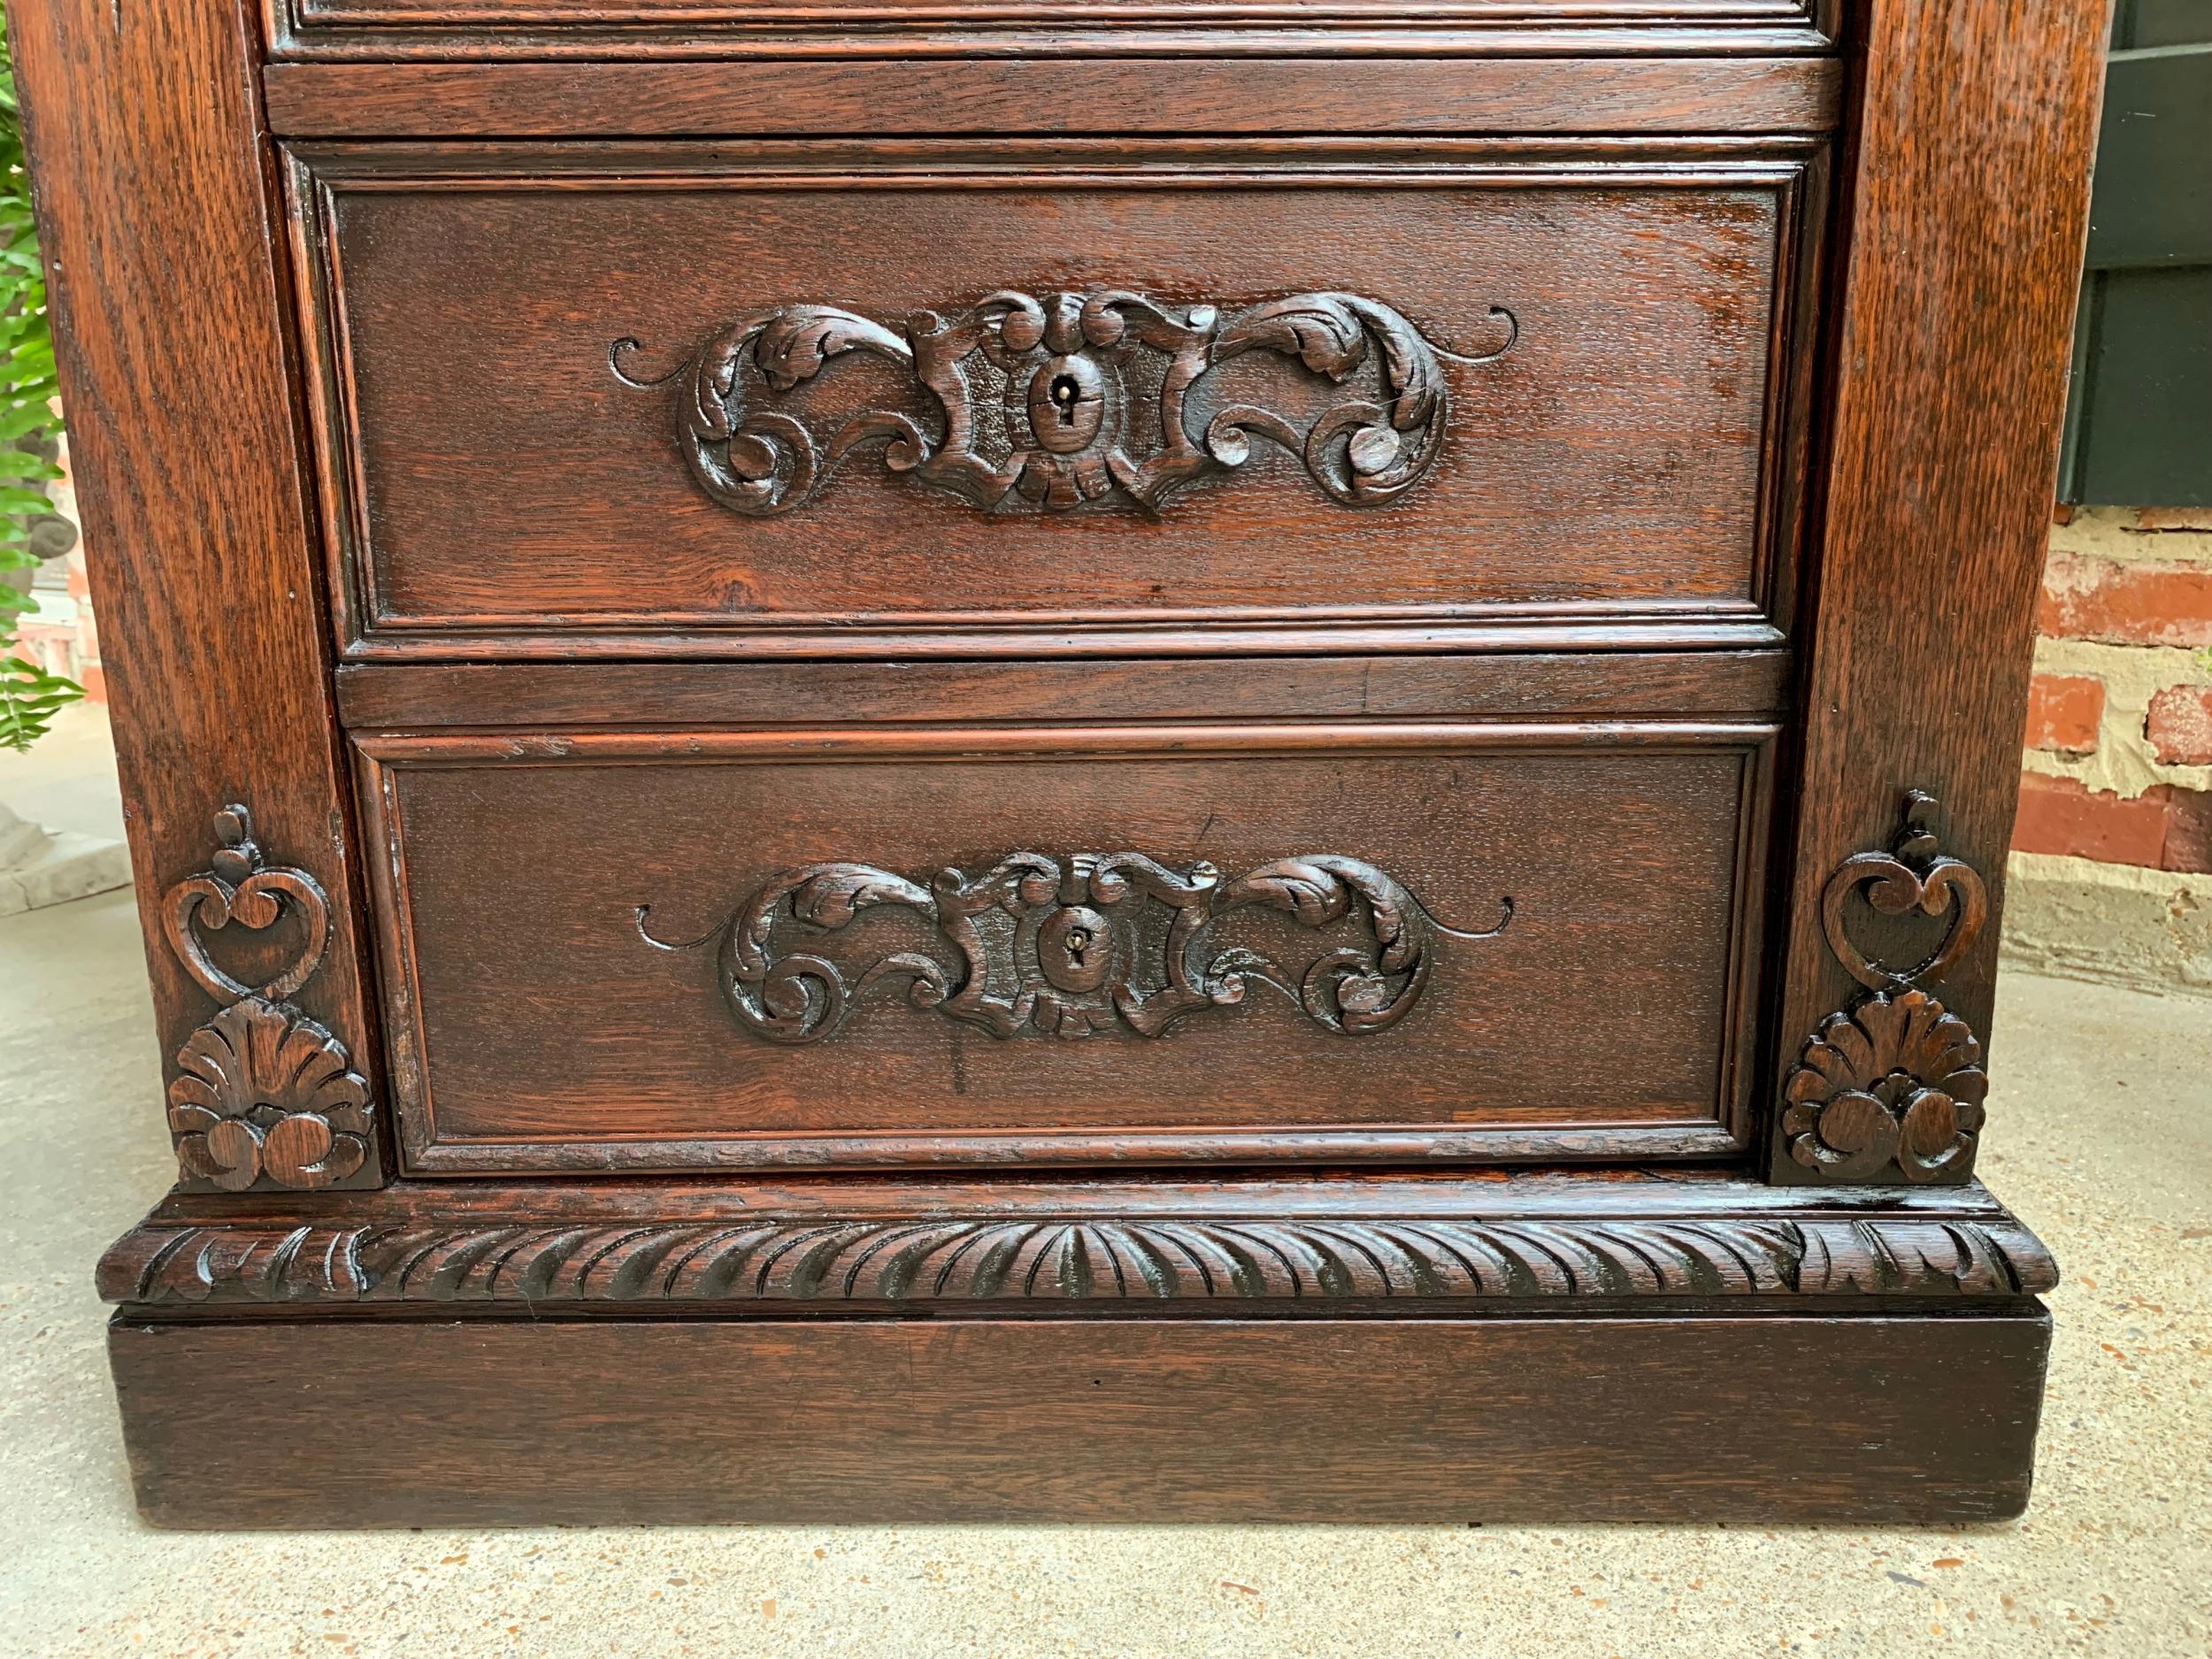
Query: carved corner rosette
column 1892, row 1085
column 266, row 1096
column 1113, row 944
column 1056, row 400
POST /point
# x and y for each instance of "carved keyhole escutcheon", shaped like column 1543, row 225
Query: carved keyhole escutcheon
column 1075, row 950
column 1100, row 942
column 1067, row 403
column 1085, row 398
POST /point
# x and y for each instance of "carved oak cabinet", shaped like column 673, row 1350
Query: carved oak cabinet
column 993, row 759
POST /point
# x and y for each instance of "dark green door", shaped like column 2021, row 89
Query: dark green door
column 2139, row 429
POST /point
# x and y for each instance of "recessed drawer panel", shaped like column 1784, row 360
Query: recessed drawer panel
column 697, row 406
column 613, row 951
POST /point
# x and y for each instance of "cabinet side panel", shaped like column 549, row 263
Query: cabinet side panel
column 155, row 210
column 1966, row 225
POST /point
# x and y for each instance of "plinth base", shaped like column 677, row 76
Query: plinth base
column 1674, row 1347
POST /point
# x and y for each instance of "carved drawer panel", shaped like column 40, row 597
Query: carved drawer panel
column 610, row 950
column 810, row 401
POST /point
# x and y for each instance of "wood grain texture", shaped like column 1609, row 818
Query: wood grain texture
column 475, row 29
column 547, row 695
column 1611, row 1017
column 1977, row 126
column 1629, row 462
column 1892, row 1084
column 143, row 135
column 1703, row 1416
column 1188, row 95
column 1041, row 1257
column 1471, row 1227
column 266, row 1093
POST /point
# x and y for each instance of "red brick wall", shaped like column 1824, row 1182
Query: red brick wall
column 61, row 637
column 2119, row 756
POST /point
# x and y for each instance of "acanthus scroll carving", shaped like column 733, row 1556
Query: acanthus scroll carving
column 1104, row 942
column 1056, row 401
column 267, row 1095
column 1895, row 1081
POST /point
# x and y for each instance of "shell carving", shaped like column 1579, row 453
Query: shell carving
column 1895, row 1082
column 265, row 1094
column 1898, row 1080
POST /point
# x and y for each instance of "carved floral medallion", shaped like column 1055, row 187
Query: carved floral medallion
column 1893, row 1082
column 1057, row 401
column 266, row 1093
column 1101, row 942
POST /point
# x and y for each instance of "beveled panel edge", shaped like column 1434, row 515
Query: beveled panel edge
column 1695, row 1135
column 1256, row 96
column 424, row 695
column 461, row 30
column 1156, row 160
column 1722, row 1127
column 1660, row 632
column 1796, row 171
column 1520, row 1240
column 1237, row 741
column 1632, row 1191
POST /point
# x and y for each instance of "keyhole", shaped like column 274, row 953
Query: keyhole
column 1078, row 943
column 1065, row 394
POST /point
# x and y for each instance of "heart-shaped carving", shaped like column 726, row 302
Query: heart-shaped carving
column 1944, row 886
column 239, row 889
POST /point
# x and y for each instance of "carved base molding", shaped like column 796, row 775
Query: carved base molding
column 1571, row 1240
column 1597, row 1345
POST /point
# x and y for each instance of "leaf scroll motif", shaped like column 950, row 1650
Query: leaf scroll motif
column 1098, row 943
column 1068, row 429
column 1089, row 1258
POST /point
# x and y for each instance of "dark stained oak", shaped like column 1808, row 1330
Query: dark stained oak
column 1964, row 249
column 1624, row 455
column 696, row 695
column 267, row 1094
column 1532, row 1240
column 548, row 1012
column 1926, row 1420
column 687, row 28
column 1037, row 96
column 187, row 449
column 1068, row 741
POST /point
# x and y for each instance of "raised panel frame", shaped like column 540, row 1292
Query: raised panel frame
column 1728, row 1130
column 1795, row 170
column 465, row 29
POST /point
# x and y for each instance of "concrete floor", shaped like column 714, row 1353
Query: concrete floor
column 2101, row 1138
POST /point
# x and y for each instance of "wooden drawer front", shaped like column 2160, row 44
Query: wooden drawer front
column 569, row 409
column 887, row 946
